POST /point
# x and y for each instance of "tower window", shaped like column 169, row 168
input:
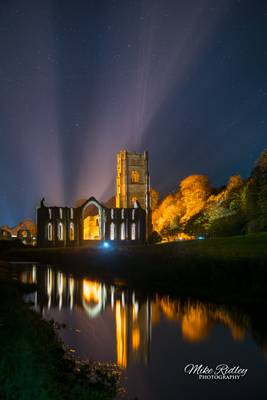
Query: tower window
column 50, row 232
column 50, row 213
column 112, row 213
column 60, row 213
column 122, row 213
column 134, row 200
column 71, row 213
column 135, row 177
column 133, row 214
column 60, row 231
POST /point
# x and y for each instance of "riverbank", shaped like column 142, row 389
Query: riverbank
column 227, row 270
column 33, row 364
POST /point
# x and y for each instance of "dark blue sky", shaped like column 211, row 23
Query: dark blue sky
column 80, row 80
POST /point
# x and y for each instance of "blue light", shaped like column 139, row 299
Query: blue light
column 200, row 238
column 106, row 245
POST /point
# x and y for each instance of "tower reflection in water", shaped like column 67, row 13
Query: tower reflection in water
column 134, row 317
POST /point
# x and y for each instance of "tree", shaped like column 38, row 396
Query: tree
column 261, row 172
column 232, row 209
column 257, row 195
column 233, row 192
column 154, row 237
column 195, row 190
column 220, row 209
column 198, row 224
column 167, row 215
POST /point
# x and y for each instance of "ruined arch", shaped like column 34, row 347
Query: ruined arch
column 93, row 228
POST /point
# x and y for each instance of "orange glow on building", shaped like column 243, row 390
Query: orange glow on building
column 91, row 229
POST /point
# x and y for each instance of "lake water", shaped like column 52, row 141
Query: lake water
column 153, row 338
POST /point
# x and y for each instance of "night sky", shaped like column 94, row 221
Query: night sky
column 81, row 80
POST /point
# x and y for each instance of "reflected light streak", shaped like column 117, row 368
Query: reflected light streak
column 71, row 289
column 49, row 286
column 135, row 311
column 135, row 338
column 91, row 291
column 34, row 277
column 60, row 287
column 93, row 297
column 120, row 317
column 112, row 290
column 195, row 325
column 123, row 300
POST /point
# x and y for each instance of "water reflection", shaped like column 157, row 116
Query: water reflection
column 134, row 315
column 197, row 319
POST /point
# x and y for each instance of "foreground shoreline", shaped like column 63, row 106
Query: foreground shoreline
column 34, row 364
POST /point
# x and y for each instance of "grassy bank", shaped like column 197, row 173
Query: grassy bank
column 32, row 362
column 232, row 269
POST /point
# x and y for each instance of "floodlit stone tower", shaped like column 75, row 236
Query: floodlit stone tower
column 133, row 183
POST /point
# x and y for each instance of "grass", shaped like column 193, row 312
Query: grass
column 32, row 362
column 251, row 246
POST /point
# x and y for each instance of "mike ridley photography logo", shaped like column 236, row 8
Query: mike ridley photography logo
column 220, row 372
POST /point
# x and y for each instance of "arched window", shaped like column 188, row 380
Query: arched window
column 134, row 202
column 60, row 213
column 71, row 213
column 72, row 235
column 133, row 214
column 135, row 177
column 122, row 213
column 112, row 213
column 50, row 213
column 60, row 231
column 49, row 231
column 133, row 231
column 123, row 231
column 112, row 231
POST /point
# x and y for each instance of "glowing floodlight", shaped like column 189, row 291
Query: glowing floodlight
column 200, row 238
column 106, row 245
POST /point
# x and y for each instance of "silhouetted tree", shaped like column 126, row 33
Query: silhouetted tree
column 257, row 195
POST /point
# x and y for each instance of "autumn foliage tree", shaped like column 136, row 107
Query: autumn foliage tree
column 197, row 209
column 195, row 190
column 237, row 208
column 176, row 209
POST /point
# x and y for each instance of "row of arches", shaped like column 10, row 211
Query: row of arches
column 60, row 231
column 122, row 231
column 112, row 234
